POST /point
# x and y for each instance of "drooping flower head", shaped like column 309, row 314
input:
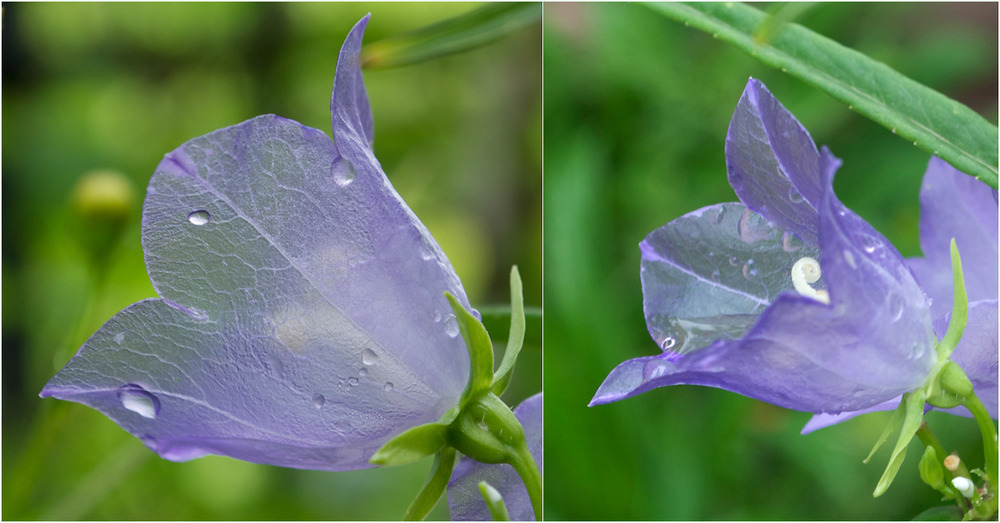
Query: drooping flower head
column 301, row 320
column 788, row 297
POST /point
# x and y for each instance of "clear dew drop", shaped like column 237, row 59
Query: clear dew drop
column 119, row 338
column 352, row 381
column 136, row 399
column 437, row 316
column 869, row 244
column 719, row 215
column 795, row 196
column 790, row 242
column 896, row 307
column 734, row 261
column 368, row 357
column 319, row 400
column 199, row 217
column 716, row 276
column 451, row 326
column 344, row 174
column 748, row 270
column 362, row 373
column 849, row 258
column 388, row 387
column 668, row 343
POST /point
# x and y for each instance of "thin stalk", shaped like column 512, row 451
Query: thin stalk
column 525, row 466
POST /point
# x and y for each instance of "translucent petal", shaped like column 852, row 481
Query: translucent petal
column 301, row 301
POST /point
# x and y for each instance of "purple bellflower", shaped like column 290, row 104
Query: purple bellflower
column 789, row 297
column 301, row 320
column 955, row 205
column 465, row 502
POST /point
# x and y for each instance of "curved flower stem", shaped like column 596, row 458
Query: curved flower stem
column 526, row 467
column 989, row 432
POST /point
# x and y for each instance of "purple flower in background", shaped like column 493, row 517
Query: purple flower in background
column 789, row 297
column 955, row 205
column 465, row 502
column 301, row 319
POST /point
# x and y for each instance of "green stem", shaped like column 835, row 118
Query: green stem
column 989, row 432
column 526, row 467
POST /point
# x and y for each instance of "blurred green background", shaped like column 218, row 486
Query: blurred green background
column 636, row 112
column 114, row 87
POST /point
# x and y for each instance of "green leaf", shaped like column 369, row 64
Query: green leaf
column 917, row 113
column 494, row 502
column 477, row 340
column 913, row 416
column 416, row 443
column 462, row 33
column 436, row 484
column 516, row 337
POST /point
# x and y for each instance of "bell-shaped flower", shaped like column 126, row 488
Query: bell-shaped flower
column 465, row 501
column 301, row 321
column 789, row 297
column 955, row 205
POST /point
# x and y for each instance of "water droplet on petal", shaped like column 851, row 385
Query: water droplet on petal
column 119, row 338
column 437, row 316
column 388, row 387
column 790, row 242
column 668, row 343
column 869, row 243
column 362, row 372
column 451, row 326
column 748, row 272
column 849, row 258
column 344, row 173
column 352, row 381
column 720, row 213
column 368, row 357
column 752, row 227
column 896, row 306
column 734, row 261
column 715, row 276
column 199, row 217
column 319, row 400
column 794, row 196
column 656, row 368
column 136, row 399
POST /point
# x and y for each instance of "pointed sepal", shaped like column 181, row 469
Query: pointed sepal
column 494, row 502
column 516, row 338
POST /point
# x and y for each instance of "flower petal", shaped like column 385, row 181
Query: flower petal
column 465, row 502
column 773, row 164
column 302, row 320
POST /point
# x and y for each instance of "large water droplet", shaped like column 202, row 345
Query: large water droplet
column 352, row 381
column 790, row 242
column 199, row 217
column 136, row 399
column 388, row 387
column 319, row 400
column 451, row 326
column 794, row 196
column 344, row 174
column 368, row 357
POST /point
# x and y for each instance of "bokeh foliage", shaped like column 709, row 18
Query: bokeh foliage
column 636, row 112
column 113, row 87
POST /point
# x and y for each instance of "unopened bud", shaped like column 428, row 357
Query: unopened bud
column 964, row 485
column 952, row 462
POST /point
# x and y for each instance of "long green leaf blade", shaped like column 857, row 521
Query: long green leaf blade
column 929, row 119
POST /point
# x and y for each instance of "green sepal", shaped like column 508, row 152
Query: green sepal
column 931, row 469
column 416, row 443
column 959, row 308
column 436, row 484
column 494, row 502
column 462, row 33
column 894, row 422
column 950, row 387
column 477, row 340
column 913, row 416
column 515, row 340
column 486, row 430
